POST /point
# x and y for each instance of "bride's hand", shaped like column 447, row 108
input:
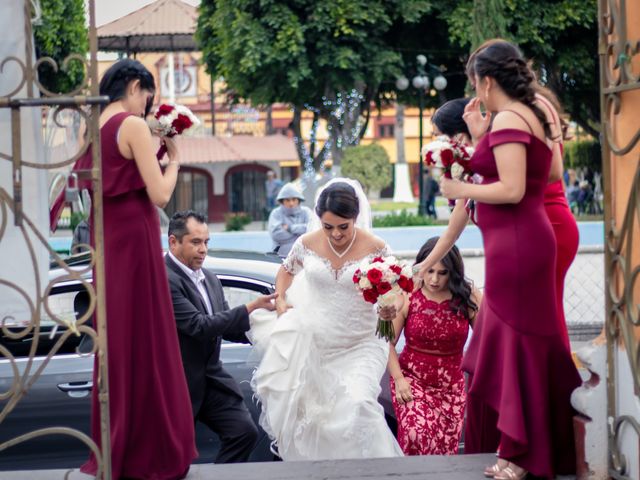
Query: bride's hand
column 387, row 313
column 281, row 306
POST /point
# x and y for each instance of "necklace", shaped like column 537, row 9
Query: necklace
column 344, row 252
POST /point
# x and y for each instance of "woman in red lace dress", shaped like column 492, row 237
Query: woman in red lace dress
column 427, row 384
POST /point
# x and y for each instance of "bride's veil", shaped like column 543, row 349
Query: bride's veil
column 363, row 221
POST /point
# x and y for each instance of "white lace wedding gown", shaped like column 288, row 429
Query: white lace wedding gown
column 319, row 377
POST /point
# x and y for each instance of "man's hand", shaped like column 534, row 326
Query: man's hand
column 263, row 301
column 285, row 227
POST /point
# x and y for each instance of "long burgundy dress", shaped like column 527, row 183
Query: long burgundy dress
column 481, row 434
column 520, row 364
column 152, row 430
column 432, row 423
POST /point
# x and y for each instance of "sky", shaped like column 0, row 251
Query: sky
column 109, row 10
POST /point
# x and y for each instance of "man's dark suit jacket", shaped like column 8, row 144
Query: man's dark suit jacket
column 201, row 335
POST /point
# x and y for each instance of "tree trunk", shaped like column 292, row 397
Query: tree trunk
column 268, row 127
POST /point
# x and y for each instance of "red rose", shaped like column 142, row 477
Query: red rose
column 181, row 123
column 374, row 275
column 428, row 158
column 370, row 295
column 446, row 157
column 378, row 260
column 383, row 287
column 163, row 110
column 356, row 276
column 405, row 283
column 396, row 269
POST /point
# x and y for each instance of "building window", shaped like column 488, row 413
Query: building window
column 191, row 194
column 385, row 131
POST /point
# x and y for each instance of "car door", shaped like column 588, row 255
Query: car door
column 60, row 396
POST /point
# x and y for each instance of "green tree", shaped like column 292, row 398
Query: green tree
column 61, row 31
column 561, row 37
column 330, row 58
column 369, row 164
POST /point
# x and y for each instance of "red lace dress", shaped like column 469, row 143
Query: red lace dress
column 432, row 423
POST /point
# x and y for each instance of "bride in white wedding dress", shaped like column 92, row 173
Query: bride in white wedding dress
column 319, row 377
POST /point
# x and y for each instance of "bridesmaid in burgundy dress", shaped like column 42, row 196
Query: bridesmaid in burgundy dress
column 521, row 367
column 427, row 384
column 152, row 430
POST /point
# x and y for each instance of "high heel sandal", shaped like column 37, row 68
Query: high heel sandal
column 496, row 468
column 508, row 473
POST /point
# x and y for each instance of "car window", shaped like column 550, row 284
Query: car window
column 237, row 296
column 67, row 303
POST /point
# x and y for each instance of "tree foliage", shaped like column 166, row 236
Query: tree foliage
column 61, row 32
column 369, row 164
column 332, row 58
column 560, row 36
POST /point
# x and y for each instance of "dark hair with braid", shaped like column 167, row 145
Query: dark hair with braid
column 461, row 299
column 116, row 79
column 503, row 61
column 448, row 117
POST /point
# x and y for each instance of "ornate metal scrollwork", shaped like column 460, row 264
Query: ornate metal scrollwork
column 618, row 53
column 83, row 99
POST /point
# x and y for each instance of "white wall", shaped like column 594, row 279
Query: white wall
column 16, row 264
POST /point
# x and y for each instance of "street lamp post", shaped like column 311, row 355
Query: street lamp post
column 421, row 82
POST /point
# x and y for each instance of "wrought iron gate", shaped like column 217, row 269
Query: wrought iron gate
column 85, row 100
column 620, row 84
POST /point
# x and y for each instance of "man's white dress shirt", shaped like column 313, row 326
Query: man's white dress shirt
column 197, row 277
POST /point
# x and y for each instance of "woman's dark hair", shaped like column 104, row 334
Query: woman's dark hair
column 460, row 288
column 448, row 118
column 503, row 61
column 340, row 199
column 115, row 80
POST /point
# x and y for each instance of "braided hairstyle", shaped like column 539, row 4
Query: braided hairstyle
column 448, row 117
column 504, row 62
column 115, row 80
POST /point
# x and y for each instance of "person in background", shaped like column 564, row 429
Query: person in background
column 431, row 190
column 288, row 221
column 272, row 187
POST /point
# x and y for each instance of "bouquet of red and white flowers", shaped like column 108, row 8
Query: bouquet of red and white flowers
column 452, row 156
column 381, row 280
column 171, row 120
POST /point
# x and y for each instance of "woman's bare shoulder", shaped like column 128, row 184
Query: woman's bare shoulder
column 375, row 242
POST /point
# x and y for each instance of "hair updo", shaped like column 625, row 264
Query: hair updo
column 340, row 199
column 503, row 61
column 448, row 118
column 115, row 80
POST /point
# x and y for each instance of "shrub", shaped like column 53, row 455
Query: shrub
column 236, row 221
column 403, row 219
column 369, row 164
column 583, row 154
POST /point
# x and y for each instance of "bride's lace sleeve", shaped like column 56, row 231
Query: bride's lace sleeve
column 294, row 261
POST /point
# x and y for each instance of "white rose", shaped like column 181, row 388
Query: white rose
column 364, row 283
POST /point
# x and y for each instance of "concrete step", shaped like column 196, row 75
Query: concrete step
column 457, row 467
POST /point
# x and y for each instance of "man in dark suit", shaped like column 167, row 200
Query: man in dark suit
column 203, row 319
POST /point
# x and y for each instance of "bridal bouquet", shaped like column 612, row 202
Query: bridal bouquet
column 381, row 280
column 452, row 156
column 171, row 120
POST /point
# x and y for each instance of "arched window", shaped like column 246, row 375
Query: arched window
column 192, row 193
